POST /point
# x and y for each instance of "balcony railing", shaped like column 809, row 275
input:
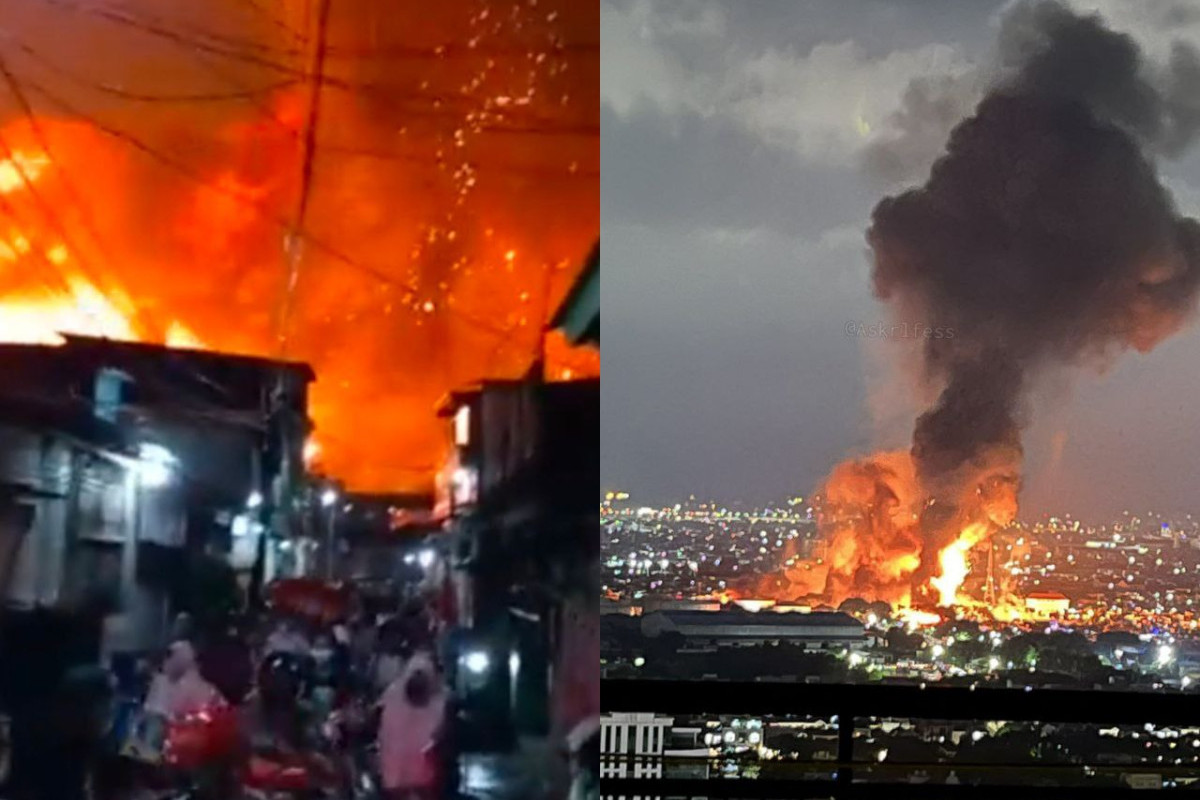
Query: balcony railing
column 848, row 705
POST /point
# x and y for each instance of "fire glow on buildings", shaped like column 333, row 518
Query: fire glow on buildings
column 453, row 196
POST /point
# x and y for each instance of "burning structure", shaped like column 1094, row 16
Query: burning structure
column 154, row 198
column 1041, row 240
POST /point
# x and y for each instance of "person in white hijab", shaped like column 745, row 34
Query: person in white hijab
column 179, row 688
column 414, row 713
column 176, row 689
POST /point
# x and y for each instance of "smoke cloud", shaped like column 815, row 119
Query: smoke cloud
column 1043, row 239
column 447, row 137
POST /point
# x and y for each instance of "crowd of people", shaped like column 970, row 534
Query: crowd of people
column 358, row 700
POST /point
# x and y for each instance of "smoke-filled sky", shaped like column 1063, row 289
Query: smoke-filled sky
column 452, row 194
column 745, row 146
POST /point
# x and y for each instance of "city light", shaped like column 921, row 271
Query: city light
column 477, row 662
column 328, row 497
column 425, row 558
column 254, row 500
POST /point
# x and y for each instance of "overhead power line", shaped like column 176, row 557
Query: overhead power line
column 443, row 50
column 533, row 123
column 308, row 155
column 68, row 184
column 150, row 97
column 259, row 208
column 278, row 23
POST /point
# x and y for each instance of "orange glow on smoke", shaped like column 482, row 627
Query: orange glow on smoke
column 881, row 538
column 41, row 311
column 454, row 198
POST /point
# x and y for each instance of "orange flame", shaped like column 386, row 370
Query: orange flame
column 953, row 562
column 425, row 263
column 917, row 618
column 69, row 304
column 883, row 538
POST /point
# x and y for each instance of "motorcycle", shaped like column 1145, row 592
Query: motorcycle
column 289, row 776
column 205, row 758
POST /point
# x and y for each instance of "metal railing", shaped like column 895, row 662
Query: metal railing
column 848, row 705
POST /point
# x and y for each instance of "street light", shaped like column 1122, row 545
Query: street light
column 254, row 500
column 155, row 464
column 328, row 498
column 477, row 662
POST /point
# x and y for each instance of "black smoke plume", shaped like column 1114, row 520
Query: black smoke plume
column 1042, row 238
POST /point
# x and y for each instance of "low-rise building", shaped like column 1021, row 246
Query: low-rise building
column 1044, row 605
column 126, row 467
column 831, row 631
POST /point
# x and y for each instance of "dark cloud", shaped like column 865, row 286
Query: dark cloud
column 721, row 375
column 1048, row 51
column 880, row 27
column 690, row 171
column 1042, row 237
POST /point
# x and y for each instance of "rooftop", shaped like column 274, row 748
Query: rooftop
column 816, row 619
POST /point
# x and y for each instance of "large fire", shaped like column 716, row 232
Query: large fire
column 453, row 196
column 886, row 540
column 1012, row 293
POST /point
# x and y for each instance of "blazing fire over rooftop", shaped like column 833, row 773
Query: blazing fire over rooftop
column 1042, row 240
column 151, row 165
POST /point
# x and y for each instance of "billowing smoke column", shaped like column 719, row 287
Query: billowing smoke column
column 1042, row 238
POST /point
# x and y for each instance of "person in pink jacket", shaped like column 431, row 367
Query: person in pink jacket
column 414, row 713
